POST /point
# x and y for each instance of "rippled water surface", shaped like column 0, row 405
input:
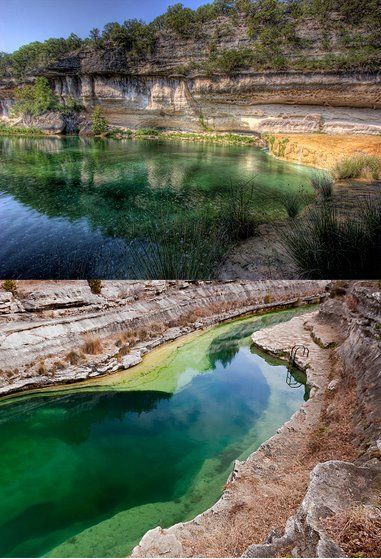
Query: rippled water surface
column 72, row 207
column 86, row 472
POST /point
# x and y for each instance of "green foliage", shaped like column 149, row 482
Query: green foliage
column 292, row 202
column 95, row 286
column 99, row 123
column 271, row 24
column 35, row 55
column 238, row 214
column 35, row 99
column 133, row 35
column 147, row 132
column 179, row 19
column 10, row 285
column 180, row 247
column 359, row 166
column 6, row 130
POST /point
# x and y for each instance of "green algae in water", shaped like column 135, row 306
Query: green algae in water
column 87, row 473
column 80, row 208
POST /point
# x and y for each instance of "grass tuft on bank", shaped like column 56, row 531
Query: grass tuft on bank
column 6, row 130
column 359, row 166
column 324, row 244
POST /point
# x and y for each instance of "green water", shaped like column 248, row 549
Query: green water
column 80, row 208
column 85, row 473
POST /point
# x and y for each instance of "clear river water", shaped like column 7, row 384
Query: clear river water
column 79, row 208
column 86, row 471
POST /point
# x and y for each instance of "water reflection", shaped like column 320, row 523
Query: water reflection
column 73, row 206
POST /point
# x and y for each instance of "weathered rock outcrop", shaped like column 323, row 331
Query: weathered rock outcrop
column 46, row 320
column 173, row 83
column 256, row 103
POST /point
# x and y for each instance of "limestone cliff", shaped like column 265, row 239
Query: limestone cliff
column 44, row 321
column 249, row 103
column 183, row 85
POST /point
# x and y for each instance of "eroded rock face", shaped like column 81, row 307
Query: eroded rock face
column 335, row 488
column 338, row 487
column 262, row 102
column 49, row 123
column 54, row 317
column 256, row 103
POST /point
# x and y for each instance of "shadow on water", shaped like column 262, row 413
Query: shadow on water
column 74, row 461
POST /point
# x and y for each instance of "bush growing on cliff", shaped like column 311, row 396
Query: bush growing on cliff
column 98, row 121
column 95, row 286
column 10, row 285
column 39, row 54
column 327, row 245
column 36, row 99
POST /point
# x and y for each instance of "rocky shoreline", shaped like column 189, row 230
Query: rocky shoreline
column 262, row 512
column 45, row 322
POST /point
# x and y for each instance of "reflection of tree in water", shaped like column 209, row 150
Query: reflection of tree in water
column 82, row 410
column 226, row 346
column 112, row 197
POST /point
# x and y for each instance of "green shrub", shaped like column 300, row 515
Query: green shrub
column 180, row 247
column 10, row 285
column 229, row 61
column 147, row 132
column 98, row 121
column 95, row 286
column 238, row 214
column 293, row 202
column 359, row 166
column 6, row 130
column 36, row 99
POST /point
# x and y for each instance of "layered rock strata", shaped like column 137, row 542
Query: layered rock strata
column 43, row 321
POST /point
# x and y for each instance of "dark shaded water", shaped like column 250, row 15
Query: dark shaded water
column 80, row 208
column 91, row 470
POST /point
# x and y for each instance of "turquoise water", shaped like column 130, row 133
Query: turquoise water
column 86, row 472
column 80, row 208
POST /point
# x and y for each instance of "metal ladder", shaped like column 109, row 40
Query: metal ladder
column 290, row 380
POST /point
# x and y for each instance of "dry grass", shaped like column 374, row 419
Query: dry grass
column 357, row 531
column 73, row 357
column 41, row 369
column 92, row 346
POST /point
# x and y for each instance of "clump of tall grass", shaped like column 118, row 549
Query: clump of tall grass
column 359, row 166
column 326, row 245
column 238, row 212
column 293, row 202
column 322, row 184
column 180, row 247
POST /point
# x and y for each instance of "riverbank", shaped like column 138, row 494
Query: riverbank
column 56, row 333
column 330, row 437
column 322, row 151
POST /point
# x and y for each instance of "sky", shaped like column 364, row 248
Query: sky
column 24, row 21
